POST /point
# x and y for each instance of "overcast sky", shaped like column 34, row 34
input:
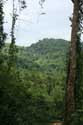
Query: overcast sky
column 32, row 26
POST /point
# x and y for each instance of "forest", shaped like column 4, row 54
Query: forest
column 41, row 84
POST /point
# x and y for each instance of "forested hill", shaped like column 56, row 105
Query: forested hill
column 46, row 55
column 33, row 91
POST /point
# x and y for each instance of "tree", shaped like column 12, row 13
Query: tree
column 12, row 48
column 72, row 66
column 2, row 34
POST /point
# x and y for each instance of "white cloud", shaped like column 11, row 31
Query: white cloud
column 34, row 27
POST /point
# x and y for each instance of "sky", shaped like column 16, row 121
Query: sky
column 32, row 26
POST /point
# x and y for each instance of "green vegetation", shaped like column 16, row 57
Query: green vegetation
column 32, row 93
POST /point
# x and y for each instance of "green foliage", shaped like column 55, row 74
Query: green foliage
column 33, row 92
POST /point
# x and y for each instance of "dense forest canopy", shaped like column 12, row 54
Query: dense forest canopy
column 34, row 90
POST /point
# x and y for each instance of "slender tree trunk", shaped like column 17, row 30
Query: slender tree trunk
column 70, row 97
column 1, row 25
column 12, row 47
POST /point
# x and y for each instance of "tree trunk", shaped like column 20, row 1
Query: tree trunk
column 70, row 97
column 1, row 25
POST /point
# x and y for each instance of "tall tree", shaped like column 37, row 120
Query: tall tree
column 72, row 71
column 13, row 48
column 2, row 34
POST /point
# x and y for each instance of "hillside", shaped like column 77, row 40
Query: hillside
column 46, row 62
column 46, row 55
column 34, row 91
column 43, row 66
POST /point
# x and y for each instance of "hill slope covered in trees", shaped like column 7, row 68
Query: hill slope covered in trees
column 34, row 91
